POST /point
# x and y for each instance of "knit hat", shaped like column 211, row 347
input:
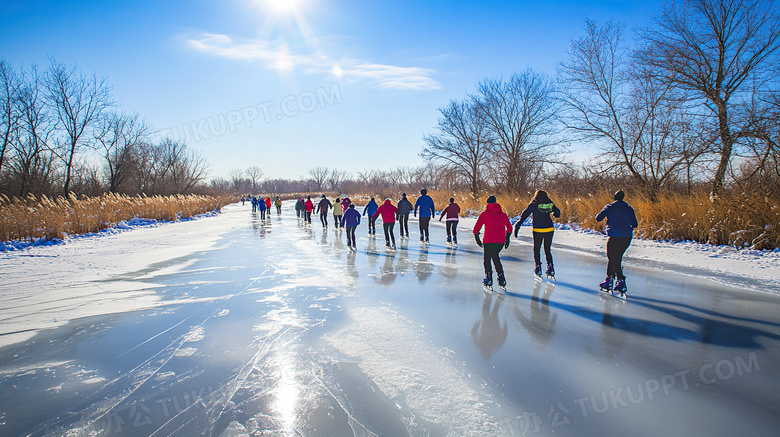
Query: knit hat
column 491, row 199
column 423, row 191
column 619, row 195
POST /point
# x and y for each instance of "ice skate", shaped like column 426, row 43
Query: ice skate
column 550, row 272
column 501, row 281
column 488, row 281
column 606, row 285
column 620, row 287
column 538, row 270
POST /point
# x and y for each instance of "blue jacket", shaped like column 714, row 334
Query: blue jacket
column 621, row 219
column 351, row 217
column 370, row 208
column 425, row 203
column 541, row 216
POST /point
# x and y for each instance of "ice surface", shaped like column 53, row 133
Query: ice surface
column 236, row 326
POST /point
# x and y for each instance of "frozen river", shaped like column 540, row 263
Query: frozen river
column 280, row 330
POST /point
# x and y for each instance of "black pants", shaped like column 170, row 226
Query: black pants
column 403, row 223
column 424, row 222
column 337, row 219
column 389, row 235
column 616, row 247
column 372, row 224
column 543, row 238
column 351, row 235
column 298, row 212
column 262, row 214
column 491, row 255
column 452, row 230
column 324, row 219
column 307, row 218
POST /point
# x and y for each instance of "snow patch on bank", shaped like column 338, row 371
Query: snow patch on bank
column 109, row 272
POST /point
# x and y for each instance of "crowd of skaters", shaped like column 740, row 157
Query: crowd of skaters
column 620, row 224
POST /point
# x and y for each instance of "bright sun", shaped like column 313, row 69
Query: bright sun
column 283, row 6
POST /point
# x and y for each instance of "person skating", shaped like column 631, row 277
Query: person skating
column 338, row 212
column 452, row 212
column 351, row 220
column 404, row 208
column 308, row 208
column 540, row 209
column 345, row 202
column 322, row 208
column 268, row 205
column 262, row 207
column 278, row 204
column 369, row 210
column 621, row 222
column 254, row 204
column 300, row 207
column 498, row 229
column 243, row 199
column 388, row 212
column 427, row 210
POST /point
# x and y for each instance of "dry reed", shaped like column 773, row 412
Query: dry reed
column 31, row 218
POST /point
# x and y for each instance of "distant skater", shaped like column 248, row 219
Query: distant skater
column 345, row 202
column 388, row 212
column 268, row 205
column 278, row 204
column 498, row 229
column 243, row 199
column 322, row 208
column 338, row 212
column 452, row 212
column 308, row 208
column 254, row 204
column 300, row 207
column 369, row 210
column 540, row 209
column 621, row 222
column 427, row 210
column 262, row 207
column 404, row 209
column 351, row 220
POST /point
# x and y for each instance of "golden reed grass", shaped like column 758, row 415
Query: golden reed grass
column 736, row 219
column 32, row 217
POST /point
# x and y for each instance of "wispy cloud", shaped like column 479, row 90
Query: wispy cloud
column 279, row 56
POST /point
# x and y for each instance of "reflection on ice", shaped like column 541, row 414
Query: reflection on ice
column 488, row 334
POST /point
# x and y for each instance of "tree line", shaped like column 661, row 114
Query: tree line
column 692, row 100
column 62, row 133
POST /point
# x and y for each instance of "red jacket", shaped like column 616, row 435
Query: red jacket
column 309, row 205
column 496, row 224
column 388, row 211
column 268, row 202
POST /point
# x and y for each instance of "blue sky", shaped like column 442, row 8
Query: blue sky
column 291, row 85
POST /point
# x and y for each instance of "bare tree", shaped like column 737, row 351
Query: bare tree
column 520, row 113
column 118, row 136
column 719, row 50
column 78, row 101
column 462, row 141
column 319, row 175
column 254, row 174
column 236, row 178
column 10, row 85
column 639, row 120
column 337, row 178
column 33, row 167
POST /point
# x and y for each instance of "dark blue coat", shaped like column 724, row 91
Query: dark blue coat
column 351, row 217
column 370, row 208
column 621, row 219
